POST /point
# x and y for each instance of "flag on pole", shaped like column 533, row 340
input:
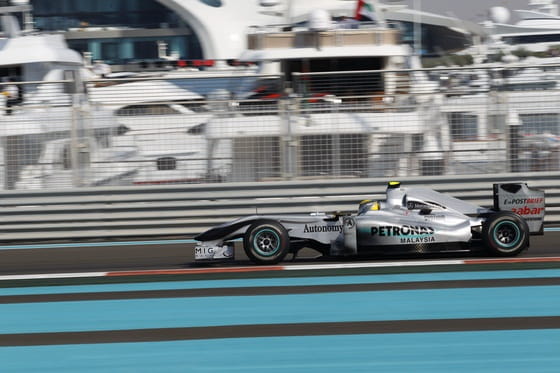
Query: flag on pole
column 365, row 11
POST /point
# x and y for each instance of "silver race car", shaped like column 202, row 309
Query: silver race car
column 409, row 220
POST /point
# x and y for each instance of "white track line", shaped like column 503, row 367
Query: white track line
column 43, row 276
column 373, row 265
column 303, row 267
column 296, row 267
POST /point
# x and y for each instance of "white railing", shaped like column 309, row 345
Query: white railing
column 200, row 127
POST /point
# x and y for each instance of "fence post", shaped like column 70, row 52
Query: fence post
column 12, row 148
column 288, row 106
column 77, row 130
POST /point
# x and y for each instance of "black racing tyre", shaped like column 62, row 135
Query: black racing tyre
column 505, row 234
column 266, row 242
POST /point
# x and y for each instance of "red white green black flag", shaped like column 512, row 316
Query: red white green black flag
column 365, row 10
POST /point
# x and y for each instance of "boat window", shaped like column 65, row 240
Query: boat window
column 104, row 141
column 538, row 124
column 196, row 106
column 157, row 109
column 10, row 72
column 166, row 163
column 417, row 142
column 463, row 126
column 214, row 3
column 529, row 39
column 198, row 129
column 527, row 86
column 353, row 84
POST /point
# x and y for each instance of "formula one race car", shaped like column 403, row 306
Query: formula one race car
column 409, row 220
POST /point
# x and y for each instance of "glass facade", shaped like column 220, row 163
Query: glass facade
column 51, row 15
column 121, row 51
column 434, row 39
column 118, row 32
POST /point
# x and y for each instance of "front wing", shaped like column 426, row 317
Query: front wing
column 215, row 243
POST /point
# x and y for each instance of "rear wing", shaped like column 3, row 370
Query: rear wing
column 527, row 202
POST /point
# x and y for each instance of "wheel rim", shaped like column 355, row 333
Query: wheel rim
column 507, row 234
column 266, row 242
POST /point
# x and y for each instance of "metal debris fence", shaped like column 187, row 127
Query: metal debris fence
column 240, row 126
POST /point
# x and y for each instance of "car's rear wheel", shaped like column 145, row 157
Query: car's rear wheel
column 266, row 242
column 505, row 234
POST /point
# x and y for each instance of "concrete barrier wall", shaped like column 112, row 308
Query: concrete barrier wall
column 184, row 210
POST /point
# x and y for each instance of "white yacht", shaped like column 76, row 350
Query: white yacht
column 166, row 126
column 72, row 129
column 326, row 66
column 537, row 30
column 36, row 133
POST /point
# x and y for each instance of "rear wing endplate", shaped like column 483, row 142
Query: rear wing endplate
column 527, row 202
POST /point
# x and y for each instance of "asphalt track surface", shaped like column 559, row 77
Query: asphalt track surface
column 114, row 257
column 494, row 310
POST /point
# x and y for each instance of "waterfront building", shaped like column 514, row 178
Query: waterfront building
column 130, row 34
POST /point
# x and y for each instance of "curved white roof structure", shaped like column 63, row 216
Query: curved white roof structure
column 222, row 29
column 209, row 23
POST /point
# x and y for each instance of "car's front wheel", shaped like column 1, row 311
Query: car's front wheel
column 266, row 242
column 505, row 234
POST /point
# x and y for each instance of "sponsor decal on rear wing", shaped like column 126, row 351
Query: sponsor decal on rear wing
column 527, row 202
